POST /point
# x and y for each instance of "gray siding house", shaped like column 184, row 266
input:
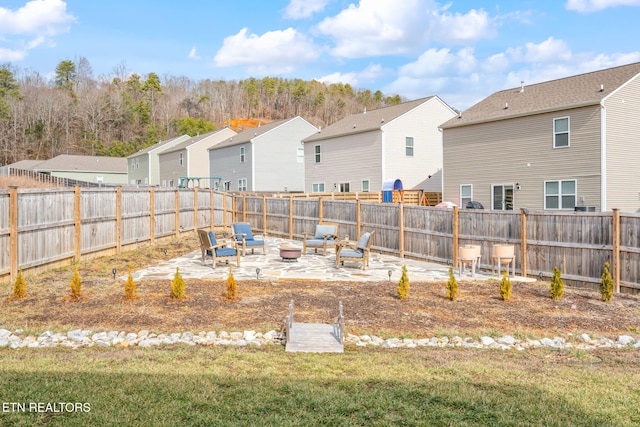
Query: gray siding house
column 143, row 166
column 566, row 144
column 190, row 159
column 95, row 169
column 362, row 151
column 268, row 157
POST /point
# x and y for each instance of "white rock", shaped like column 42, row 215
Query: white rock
column 487, row 341
column 585, row 337
column 507, row 340
column 4, row 333
column 4, row 342
column 625, row 339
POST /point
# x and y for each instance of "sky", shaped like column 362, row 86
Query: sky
column 461, row 51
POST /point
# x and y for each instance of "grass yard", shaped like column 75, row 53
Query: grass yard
column 363, row 387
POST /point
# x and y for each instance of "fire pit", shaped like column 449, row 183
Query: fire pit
column 290, row 253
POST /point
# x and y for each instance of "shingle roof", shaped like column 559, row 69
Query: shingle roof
column 68, row 162
column 157, row 145
column 366, row 121
column 560, row 94
column 190, row 141
column 25, row 164
column 249, row 134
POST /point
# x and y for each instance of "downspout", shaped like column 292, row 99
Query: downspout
column 253, row 167
column 603, row 158
column 382, row 144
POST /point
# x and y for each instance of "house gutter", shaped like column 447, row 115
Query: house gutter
column 603, row 157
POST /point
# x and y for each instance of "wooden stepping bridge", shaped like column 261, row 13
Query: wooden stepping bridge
column 314, row 337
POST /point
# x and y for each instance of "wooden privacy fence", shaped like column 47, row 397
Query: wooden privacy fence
column 46, row 227
column 578, row 243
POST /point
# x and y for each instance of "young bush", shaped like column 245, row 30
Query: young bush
column 505, row 287
column 177, row 286
column 556, row 287
column 403, row 286
column 452, row 286
column 232, row 286
column 130, row 288
column 606, row 284
column 20, row 286
column 76, row 284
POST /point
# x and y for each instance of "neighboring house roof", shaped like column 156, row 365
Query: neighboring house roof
column 67, row 162
column 25, row 164
column 191, row 141
column 251, row 133
column 569, row 92
column 366, row 121
column 156, row 146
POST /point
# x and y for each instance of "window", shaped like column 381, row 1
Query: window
column 408, row 146
column 137, row 163
column 170, row 183
column 227, row 186
column 99, row 179
column 242, row 184
column 560, row 194
column 317, row 188
column 181, row 159
column 241, row 154
column 316, row 151
column 466, row 194
column 300, row 155
column 502, row 197
column 344, row 187
column 365, row 186
column 561, row 132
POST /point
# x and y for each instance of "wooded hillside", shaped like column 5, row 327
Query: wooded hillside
column 116, row 115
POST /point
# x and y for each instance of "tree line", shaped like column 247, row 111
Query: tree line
column 117, row 115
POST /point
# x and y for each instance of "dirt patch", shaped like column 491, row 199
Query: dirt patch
column 369, row 307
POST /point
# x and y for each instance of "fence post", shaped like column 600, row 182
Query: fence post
column 195, row 208
column 264, row 215
column 615, row 256
column 77, row 223
column 152, row 214
column 118, row 219
column 290, row 217
column 523, row 242
column 320, row 209
column 455, row 235
column 177, row 218
column 244, row 208
column 358, row 221
column 401, row 228
column 13, row 231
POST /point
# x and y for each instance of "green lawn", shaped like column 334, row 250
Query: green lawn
column 219, row 386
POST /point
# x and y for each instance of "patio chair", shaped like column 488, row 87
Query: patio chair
column 245, row 238
column 325, row 236
column 211, row 247
column 347, row 251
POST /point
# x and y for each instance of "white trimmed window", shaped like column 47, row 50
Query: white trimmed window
column 300, row 155
column 560, row 194
column 181, row 159
column 242, row 156
column 408, row 146
column 242, row 184
column 365, row 186
column 344, row 187
column 318, row 187
column 466, row 194
column 561, row 132
column 316, row 153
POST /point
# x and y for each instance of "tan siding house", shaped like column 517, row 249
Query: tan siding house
column 561, row 144
column 362, row 151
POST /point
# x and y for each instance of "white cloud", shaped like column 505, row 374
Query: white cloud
column 193, row 55
column 461, row 78
column 273, row 52
column 382, row 27
column 31, row 26
column 369, row 74
column 41, row 17
column 586, row 6
column 297, row 9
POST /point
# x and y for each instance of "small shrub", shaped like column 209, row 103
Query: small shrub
column 76, row 284
column 505, row 287
column 130, row 288
column 20, row 286
column 557, row 285
column 452, row 286
column 606, row 284
column 177, row 286
column 232, row 286
column 403, row 286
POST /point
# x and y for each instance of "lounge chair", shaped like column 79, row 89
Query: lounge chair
column 324, row 237
column 211, row 247
column 358, row 252
column 245, row 238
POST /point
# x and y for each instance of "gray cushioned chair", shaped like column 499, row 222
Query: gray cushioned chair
column 356, row 253
column 323, row 238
